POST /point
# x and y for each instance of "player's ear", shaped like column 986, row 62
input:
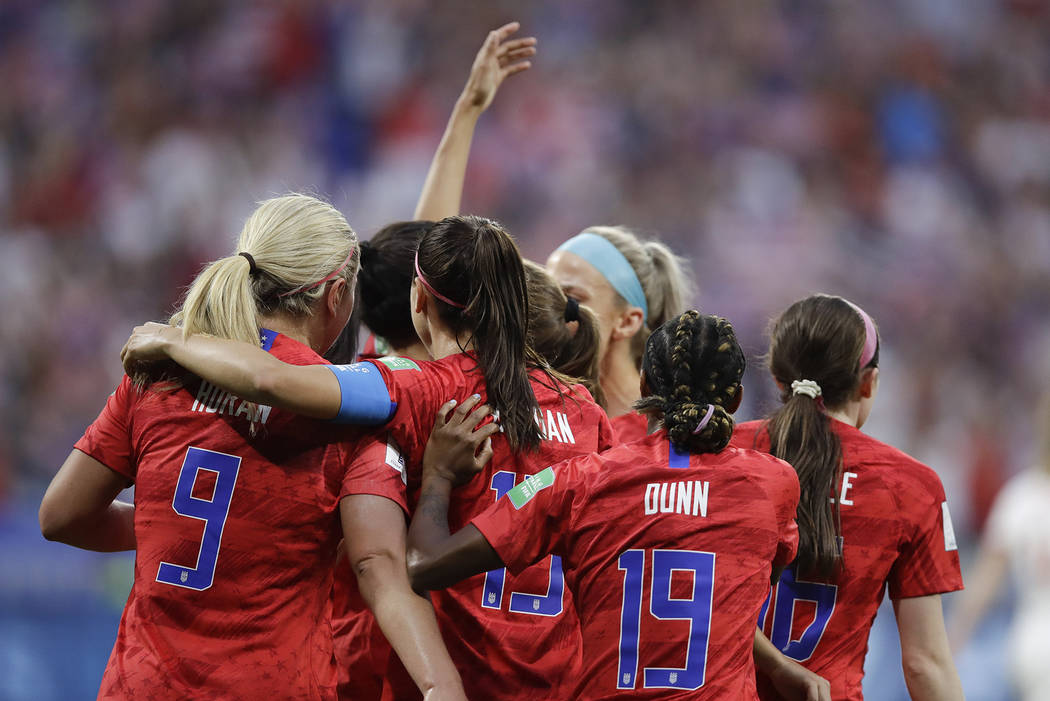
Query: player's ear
column 419, row 297
column 628, row 323
column 333, row 296
column 869, row 382
column 734, row 403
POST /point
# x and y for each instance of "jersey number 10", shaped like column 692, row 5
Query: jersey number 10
column 549, row 604
column 212, row 511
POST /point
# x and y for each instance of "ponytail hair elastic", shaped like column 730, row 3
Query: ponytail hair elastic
column 709, row 412
column 807, row 387
column 253, row 269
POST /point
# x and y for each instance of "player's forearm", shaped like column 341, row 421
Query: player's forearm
column 427, row 533
column 931, row 678
column 408, row 622
column 443, row 187
column 253, row 374
column 111, row 529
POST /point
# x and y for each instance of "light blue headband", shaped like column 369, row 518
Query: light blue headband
column 607, row 260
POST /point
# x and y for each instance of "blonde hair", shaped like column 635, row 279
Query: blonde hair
column 669, row 288
column 295, row 241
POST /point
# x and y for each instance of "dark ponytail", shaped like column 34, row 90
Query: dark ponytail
column 819, row 339
column 562, row 332
column 475, row 264
column 693, row 365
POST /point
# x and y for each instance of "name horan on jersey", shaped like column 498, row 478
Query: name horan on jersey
column 687, row 498
column 212, row 400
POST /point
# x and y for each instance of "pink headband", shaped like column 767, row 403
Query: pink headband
column 326, row 278
column 431, row 290
column 871, row 337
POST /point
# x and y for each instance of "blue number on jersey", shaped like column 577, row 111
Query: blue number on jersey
column 549, row 604
column 788, row 591
column 696, row 610
column 212, row 511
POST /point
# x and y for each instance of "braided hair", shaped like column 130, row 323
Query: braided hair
column 693, row 365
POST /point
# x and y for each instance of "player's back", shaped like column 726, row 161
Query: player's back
column 669, row 557
column 522, row 630
column 236, row 537
column 895, row 531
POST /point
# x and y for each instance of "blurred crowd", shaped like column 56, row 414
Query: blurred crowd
column 897, row 153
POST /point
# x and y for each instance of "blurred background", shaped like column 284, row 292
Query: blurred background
column 897, row 153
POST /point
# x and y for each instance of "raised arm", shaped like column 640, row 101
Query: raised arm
column 498, row 58
column 239, row 368
column 80, row 507
column 925, row 656
column 374, row 532
column 437, row 559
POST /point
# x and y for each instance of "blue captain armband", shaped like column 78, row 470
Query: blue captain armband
column 365, row 398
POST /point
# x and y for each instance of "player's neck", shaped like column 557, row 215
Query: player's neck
column 444, row 343
column 296, row 328
column 620, row 379
column 848, row 413
column 416, row 351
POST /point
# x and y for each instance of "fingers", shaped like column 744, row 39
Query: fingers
column 517, row 45
column 517, row 68
column 506, row 30
column 444, row 412
column 460, row 414
column 484, row 455
column 512, row 56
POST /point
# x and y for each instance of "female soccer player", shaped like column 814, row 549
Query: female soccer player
column 668, row 543
column 470, row 310
column 886, row 523
column 632, row 285
column 237, row 506
column 562, row 333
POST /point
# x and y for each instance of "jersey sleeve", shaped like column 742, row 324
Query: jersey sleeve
column 108, row 438
column 928, row 562
column 606, row 432
column 534, row 518
column 375, row 467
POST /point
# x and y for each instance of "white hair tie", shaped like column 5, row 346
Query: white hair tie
column 807, row 387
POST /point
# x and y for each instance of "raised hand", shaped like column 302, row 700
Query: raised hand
column 458, row 448
column 499, row 57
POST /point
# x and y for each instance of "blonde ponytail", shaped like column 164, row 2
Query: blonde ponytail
column 294, row 244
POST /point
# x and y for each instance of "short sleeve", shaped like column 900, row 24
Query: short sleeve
column 534, row 518
column 787, row 506
column 928, row 561
column 108, row 438
column 376, row 467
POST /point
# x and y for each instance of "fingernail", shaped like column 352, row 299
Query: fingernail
column 475, row 396
column 452, row 402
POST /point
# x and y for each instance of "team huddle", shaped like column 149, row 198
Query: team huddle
column 529, row 485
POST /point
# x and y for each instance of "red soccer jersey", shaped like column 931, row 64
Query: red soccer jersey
column 236, row 540
column 668, row 556
column 511, row 636
column 896, row 531
column 630, row 427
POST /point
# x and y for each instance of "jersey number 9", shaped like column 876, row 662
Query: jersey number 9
column 212, row 511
